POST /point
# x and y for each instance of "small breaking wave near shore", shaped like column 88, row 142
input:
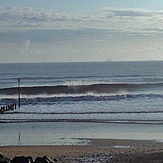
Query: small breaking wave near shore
column 51, row 100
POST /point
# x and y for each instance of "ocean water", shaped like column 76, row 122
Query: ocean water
column 104, row 92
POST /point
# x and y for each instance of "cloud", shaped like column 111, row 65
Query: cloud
column 126, row 12
column 121, row 20
column 138, row 21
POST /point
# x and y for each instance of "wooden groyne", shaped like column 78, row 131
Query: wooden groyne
column 6, row 108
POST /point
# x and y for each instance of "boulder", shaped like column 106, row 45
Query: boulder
column 20, row 159
column 1, row 156
column 43, row 160
column 30, row 159
column 3, row 159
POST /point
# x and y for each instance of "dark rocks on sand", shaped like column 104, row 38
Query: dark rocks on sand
column 23, row 159
column 20, row 159
column 43, row 160
column 1, row 156
column 3, row 159
column 30, row 159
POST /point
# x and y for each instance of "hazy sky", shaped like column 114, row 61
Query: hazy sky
column 80, row 30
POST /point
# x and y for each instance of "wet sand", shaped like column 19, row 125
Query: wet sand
column 83, row 142
column 111, row 150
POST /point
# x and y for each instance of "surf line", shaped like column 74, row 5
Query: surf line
column 6, row 108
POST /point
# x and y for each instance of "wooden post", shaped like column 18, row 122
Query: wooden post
column 19, row 92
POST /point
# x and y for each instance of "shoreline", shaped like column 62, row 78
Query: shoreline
column 70, row 133
column 96, row 121
column 116, row 148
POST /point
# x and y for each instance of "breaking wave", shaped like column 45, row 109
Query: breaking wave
column 83, row 89
column 87, row 98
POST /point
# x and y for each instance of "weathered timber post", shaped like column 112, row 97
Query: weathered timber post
column 19, row 92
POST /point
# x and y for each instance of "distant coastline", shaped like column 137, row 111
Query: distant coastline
column 46, row 62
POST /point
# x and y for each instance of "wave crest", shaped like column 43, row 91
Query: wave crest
column 82, row 89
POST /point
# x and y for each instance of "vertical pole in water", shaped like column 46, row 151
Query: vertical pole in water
column 19, row 92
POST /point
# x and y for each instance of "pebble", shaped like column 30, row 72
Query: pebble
column 92, row 158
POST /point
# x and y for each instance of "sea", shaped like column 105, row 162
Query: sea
column 65, row 102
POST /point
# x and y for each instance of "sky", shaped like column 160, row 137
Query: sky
column 80, row 30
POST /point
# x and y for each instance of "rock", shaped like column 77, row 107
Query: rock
column 89, row 158
column 51, row 160
column 43, row 160
column 3, row 159
column 39, row 160
column 1, row 156
column 20, row 159
column 30, row 159
column 56, row 160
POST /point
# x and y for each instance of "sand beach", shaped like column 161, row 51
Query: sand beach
column 83, row 142
column 98, row 150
